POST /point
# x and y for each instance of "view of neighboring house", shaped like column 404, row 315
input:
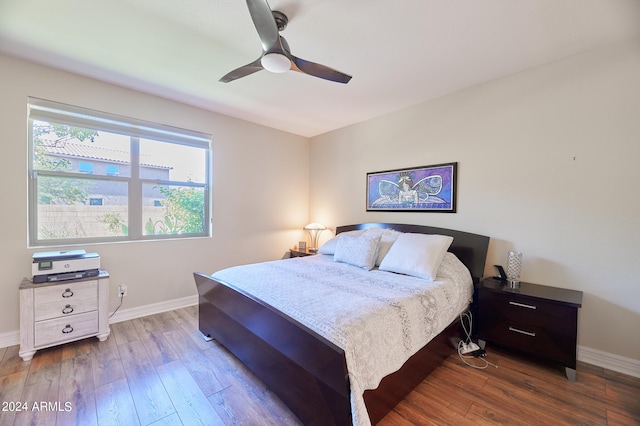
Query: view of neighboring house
column 85, row 157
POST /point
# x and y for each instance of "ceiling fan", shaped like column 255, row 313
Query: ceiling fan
column 276, row 54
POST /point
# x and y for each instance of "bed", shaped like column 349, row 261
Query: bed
column 300, row 359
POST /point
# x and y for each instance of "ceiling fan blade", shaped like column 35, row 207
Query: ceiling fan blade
column 264, row 22
column 243, row 71
column 318, row 70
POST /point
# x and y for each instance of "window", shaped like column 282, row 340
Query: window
column 98, row 177
column 86, row 167
column 113, row 170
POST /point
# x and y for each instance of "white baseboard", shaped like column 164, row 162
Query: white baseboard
column 621, row 364
column 155, row 308
column 13, row 337
column 9, row 339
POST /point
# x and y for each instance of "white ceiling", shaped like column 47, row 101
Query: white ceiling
column 399, row 53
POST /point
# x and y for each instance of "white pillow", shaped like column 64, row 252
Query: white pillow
column 330, row 246
column 418, row 255
column 358, row 250
column 387, row 238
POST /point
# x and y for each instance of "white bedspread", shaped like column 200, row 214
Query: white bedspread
column 378, row 318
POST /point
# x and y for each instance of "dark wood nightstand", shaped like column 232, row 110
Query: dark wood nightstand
column 534, row 319
column 301, row 253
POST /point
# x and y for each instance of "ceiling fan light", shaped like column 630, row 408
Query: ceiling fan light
column 276, row 62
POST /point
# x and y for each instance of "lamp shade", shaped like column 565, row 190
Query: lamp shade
column 315, row 227
column 276, row 62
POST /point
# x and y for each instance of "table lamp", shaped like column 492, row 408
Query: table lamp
column 314, row 230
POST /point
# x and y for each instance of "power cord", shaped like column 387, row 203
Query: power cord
column 467, row 349
column 121, row 297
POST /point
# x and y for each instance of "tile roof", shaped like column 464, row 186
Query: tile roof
column 80, row 150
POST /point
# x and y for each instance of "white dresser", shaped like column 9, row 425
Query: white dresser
column 60, row 312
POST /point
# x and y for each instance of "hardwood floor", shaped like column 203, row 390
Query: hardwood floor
column 158, row 370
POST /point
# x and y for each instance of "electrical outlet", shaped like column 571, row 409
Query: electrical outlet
column 122, row 290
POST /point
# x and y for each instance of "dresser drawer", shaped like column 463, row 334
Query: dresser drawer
column 66, row 299
column 65, row 329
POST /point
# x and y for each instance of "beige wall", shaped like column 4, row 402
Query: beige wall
column 260, row 190
column 547, row 164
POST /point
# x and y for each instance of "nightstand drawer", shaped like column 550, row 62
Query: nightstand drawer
column 525, row 337
column 525, row 311
column 65, row 329
column 543, row 342
column 67, row 299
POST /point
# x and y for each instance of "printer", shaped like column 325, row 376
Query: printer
column 54, row 266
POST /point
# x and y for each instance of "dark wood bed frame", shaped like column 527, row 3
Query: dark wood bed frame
column 307, row 371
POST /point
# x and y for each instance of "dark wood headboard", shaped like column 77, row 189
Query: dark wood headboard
column 471, row 249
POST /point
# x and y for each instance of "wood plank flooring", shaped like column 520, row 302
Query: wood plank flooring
column 158, row 370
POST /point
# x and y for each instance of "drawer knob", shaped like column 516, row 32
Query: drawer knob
column 517, row 330
column 67, row 293
column 67, row 329
column 522, row 305
column 67, row 309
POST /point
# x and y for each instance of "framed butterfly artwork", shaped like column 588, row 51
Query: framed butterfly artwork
column 417, row 189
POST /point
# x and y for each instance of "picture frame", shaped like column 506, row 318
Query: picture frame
column 416, row 189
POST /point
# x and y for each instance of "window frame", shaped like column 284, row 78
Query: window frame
column 58, row 113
